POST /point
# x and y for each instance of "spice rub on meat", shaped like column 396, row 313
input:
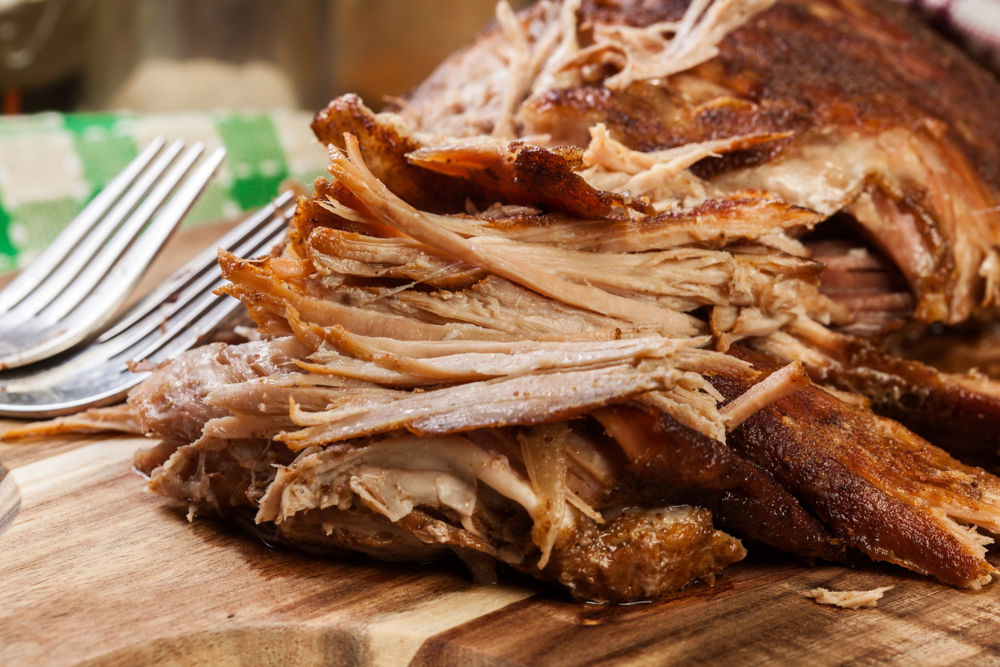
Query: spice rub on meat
column 617, row 288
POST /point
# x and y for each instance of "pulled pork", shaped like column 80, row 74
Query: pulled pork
column 617, row 287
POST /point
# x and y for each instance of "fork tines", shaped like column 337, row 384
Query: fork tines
column 170, row 319
column 75, row 286
column 180, row 311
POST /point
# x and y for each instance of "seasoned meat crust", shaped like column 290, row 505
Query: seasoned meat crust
column 879, row 487
column 870, row 112
column 870, row 66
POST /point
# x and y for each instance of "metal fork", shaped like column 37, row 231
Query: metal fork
column 169, row 320
column 76, row 285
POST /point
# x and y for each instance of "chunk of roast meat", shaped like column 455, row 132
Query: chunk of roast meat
column 882, row 120
column 669, row 460
column 879, row 487
column 641, row 555
column 619, row 276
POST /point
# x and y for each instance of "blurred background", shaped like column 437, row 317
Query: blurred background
column 164, row 55
column 85, row 84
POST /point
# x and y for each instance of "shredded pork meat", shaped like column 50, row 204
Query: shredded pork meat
column 848, row 599
column 612, row 290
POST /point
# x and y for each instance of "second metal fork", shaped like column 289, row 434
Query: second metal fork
column 171, row 319
column 76, row 285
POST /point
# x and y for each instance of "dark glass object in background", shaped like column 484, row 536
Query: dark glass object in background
column 42, row 54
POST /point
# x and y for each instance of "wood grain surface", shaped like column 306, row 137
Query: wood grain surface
column 95, row 570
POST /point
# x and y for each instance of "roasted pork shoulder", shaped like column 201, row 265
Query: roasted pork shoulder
column 622, row 285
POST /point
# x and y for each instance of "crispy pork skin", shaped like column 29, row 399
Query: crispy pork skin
column 670, row 460
column 879, row 487
column 959, row 412
column 641, row 555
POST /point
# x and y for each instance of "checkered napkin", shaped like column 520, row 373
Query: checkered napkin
column 52, row 164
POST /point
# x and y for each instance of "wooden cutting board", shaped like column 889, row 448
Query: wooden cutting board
column 95, row 570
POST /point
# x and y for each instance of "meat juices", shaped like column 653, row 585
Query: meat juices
column 617, row 278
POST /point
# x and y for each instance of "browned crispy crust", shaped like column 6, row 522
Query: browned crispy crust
column 823, row 450
column 528, row 175
column 445, row 179
column 839, row 72
column 672, row 461
column 867, row 66
column 632, row 557
column 959, row 414
column 385, row 149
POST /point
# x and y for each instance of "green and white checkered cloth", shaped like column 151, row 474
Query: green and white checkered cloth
column 52, row 164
